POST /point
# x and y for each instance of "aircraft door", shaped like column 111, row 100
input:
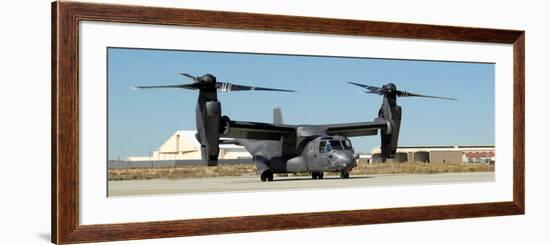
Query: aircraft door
column 312, row 156
column 324, row 151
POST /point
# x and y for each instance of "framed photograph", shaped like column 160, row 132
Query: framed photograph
column 176, row 122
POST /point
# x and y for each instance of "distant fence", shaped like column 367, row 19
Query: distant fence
column 171, row 163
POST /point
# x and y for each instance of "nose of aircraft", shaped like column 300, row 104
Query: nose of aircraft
column 342, row 158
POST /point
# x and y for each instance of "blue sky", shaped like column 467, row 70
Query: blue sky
column 141, row 120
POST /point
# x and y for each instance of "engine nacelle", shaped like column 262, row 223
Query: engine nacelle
column 208, row 127
column 389, row 138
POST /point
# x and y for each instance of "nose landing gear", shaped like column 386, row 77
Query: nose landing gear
column 344, row 174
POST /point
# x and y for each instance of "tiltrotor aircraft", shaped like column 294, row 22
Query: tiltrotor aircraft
column 283, row 148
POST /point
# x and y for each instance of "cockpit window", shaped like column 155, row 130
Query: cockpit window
column 347, row 144
column 329, row 145
column 336, row 145
column 322, row 146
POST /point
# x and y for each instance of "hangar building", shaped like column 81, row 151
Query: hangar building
column 183, row 145
column 441, row 154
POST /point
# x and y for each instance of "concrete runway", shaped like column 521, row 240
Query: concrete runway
column 253, row 183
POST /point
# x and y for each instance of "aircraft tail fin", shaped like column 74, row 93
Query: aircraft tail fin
column 277, row 116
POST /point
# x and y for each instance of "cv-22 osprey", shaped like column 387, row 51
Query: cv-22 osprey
column 283, row 148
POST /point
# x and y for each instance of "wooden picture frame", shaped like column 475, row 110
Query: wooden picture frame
column 65, row 121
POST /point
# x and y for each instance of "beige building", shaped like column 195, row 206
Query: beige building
column 183, row 145
column 441, row 154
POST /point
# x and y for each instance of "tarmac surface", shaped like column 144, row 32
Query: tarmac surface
column 253, row 183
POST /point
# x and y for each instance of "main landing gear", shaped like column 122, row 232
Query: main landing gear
column 317, row 175
column 344, row 174
column 267, row 175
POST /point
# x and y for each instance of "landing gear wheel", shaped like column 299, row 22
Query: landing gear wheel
column 266, row 175
column 344, row 175
column 212, row 160
column 317, row 175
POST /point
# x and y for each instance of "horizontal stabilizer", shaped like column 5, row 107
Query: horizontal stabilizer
column 277, row 116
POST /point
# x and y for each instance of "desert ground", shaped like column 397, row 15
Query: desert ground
column 253, row 183
column 242, row 177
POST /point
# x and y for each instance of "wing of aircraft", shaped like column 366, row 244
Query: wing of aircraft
column 356, row 129
column 268, row 131
column 257, row 130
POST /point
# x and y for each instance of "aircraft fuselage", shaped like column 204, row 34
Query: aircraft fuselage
column 312, row 154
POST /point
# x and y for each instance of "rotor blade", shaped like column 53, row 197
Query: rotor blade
column 372, row 89
column 189, row 76
column 368, row 92
column 192, row 86
column 228, row 87
column 407, row 94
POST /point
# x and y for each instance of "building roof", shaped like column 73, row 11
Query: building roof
column 464, row 148
column 190, row 134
